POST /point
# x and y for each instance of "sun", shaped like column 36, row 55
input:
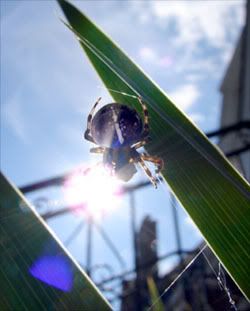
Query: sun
column 95, row 191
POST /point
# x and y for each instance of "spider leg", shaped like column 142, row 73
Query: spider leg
column 87, row 134
column 147, row 171
column 141, row 143
column 97, row 150
column 156, row 160
column 145, row 113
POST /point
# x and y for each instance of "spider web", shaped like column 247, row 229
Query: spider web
column 220, row 275
column 199, row 148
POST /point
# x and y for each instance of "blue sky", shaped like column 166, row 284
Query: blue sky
column 48, row 88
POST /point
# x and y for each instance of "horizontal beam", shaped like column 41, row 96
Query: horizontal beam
column 59, row 180
column 148, row 264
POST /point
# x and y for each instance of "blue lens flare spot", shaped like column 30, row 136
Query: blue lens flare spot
column 53, row 270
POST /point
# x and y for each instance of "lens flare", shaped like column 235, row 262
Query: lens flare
column 96, row 191
column 55, row 271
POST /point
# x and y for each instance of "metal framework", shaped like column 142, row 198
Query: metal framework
column 130, row 190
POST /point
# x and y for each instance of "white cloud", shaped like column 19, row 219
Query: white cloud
column 185, row 96
column 150, row 55
column 47, row 54
column 51, row 77
column 199, row 25
column 147, row 53
column 199, row 20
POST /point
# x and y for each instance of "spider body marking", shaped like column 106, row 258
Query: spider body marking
column 118, row 130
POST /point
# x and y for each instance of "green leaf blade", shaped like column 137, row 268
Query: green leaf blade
column 212, row 192
column 156, row 303
column 25, row 240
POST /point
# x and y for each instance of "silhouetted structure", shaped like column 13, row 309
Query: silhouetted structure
column 147, row 249
column 146, row 254
column 199, row 289
column 235, row 89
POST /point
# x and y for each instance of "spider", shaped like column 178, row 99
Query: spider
column 118, row 131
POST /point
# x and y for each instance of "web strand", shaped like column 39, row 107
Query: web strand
column 119, row 92
column 221, row 278
column 177, row 278
column 216, row 163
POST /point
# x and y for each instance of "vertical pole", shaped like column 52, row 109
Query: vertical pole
column 89, row 247
column 176, row 226
column 135, row 251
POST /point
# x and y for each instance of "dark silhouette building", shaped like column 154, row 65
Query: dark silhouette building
column 235, row 89
column 197, row 289
column 135, row 292
column 147, row 249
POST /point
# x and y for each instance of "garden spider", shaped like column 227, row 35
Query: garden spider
column 118, row 131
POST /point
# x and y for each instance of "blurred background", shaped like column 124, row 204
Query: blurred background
column 122, row 233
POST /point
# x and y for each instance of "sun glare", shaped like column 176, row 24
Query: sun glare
column 96, row 191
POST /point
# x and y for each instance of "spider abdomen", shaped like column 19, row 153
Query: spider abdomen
column 116, row 125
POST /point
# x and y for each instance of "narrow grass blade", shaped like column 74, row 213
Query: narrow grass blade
column 212, row 192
